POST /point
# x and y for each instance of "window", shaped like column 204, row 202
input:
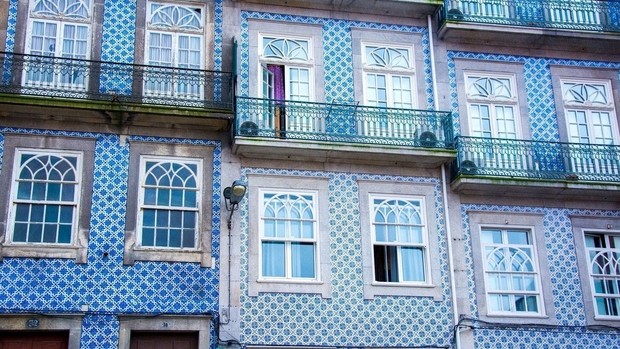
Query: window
column 59, row 29
column 174, row 39
column 287, row 74
column 288, row 235
column 399, row 240
column 509, row 262
column 48, row 204
column 492, row 106
column 45, row 195
column 603, row 252
column 169, row 203
column 511, row 273
column 493, row 111
column 597, row 242
column 388, row 76
column 589, row 111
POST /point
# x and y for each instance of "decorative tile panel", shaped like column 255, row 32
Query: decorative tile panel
column 347, row 318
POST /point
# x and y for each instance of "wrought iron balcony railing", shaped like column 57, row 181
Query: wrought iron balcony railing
column 589, row 15
column 536, row 159
column 118, row 82
column 350, row 123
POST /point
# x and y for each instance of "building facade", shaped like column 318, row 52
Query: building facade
column 418, row 174
column 113, row 116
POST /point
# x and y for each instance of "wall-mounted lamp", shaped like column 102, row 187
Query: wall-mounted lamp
column 233, row 196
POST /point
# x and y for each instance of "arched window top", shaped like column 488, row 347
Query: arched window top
column 388, row 57
column 585, row 93
column 288, row 206
column 48, row 168
column 510, row 260
column 489, row 87
column 176, row 17
column 171, row 175
column 75, row 9
column 286, row 49
column 396, row 211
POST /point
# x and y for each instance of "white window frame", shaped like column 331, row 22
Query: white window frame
column 142, row 206
column 389, row 73
column 168, row 89
column 289, row 240
column 511, row 293
column 85, row 148
column 422, row 245
column 589, row 107
column 75, row 202
column 616, row 251
column 294, row 184
column 533, row 222
column 493, row 101
column 60, row 20
column 287, row 63
column 202, row 155
column 431, row 287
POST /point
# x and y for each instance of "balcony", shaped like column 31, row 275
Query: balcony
column 536, row 23
column 400, row 8
column 524, row 167
column 83, row 89
column 342, row 132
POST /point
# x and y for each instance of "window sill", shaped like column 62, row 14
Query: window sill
column 134, row 254
column 44, row 251
column 290, row 286
column 290, row 281
column 401, row 284
column 377, row 289
column 517, row 316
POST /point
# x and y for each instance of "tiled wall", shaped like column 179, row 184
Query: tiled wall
column 338, row 60
column 104, row 283
column 539, row 91
column 346, row 319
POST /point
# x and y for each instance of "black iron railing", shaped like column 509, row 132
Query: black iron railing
column 536, row 159
column 588, row 15
column 118, row 82
column 349, row 123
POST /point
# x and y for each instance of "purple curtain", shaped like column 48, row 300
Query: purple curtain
column 278, row 81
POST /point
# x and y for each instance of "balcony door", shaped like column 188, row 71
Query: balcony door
column 389, row 86
column 59, row 41
column 286, row 76
column 592, row 127
column 493, row 113
column 174, row 52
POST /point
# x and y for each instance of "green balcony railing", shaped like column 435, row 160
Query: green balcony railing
column 536, row 160
column 349, row 123
column 61, row 77
column 588, row 15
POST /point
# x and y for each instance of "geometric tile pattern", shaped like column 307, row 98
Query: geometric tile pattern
column 11, row 26
column 339, row 83
column 537, row 74
column 346, row 318
column 564, row 281
column 104, row 283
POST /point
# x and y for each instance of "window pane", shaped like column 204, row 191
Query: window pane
column 148, row 237
column 303, row 260
column 189, row 238
column 273, row 259
column 413, row 264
